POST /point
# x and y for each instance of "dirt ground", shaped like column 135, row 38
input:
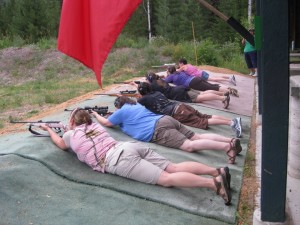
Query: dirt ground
column 249, row 187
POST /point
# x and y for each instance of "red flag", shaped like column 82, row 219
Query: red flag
column 89, row 28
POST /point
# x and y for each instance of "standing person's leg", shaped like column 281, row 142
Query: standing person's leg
column 249, row 62
column 253, row 58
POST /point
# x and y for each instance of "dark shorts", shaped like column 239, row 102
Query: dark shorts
column 205, row 75
column 251, row 59
column 189, row 116
column 201, row 85
column 171, row 133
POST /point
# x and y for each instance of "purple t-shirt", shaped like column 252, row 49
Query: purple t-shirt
column 179, row 78
column 97, row 142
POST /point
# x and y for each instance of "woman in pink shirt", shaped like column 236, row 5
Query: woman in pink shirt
column 94, row 146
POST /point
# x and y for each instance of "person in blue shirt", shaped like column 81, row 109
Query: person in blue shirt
column 141, row 124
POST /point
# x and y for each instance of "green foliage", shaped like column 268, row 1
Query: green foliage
column 124, row 41
column 207, row 53
column 5, row 42
column 30, row 20
column 46, row 43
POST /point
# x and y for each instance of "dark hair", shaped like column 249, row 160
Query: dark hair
column 183, row 61
column 151, row 77
column 144, row 88
column 171, row 69
column 120, row 101
column 81, row 116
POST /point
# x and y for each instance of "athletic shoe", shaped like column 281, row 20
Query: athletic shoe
column 238, row 127
column 232, row 80
column 251, row 73
column 255, row 74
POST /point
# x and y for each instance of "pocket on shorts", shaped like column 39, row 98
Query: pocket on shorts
column 116, row 156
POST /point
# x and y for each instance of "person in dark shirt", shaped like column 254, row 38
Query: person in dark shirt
column 158, row 103
column 184, row 94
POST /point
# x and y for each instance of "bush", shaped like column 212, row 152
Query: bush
column 127, row 42
column 207, row 53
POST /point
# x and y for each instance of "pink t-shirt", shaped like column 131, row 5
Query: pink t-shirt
column 82, row 144
column 193, row 71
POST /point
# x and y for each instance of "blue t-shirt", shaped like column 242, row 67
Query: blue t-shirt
column 179, row 78
column 135, row 121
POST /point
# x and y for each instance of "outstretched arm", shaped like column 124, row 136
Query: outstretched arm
column 57, row 140
column 102, row 120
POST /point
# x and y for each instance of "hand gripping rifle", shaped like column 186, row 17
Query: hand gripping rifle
column 101, row 110
column 126, row 93
column 57, row 126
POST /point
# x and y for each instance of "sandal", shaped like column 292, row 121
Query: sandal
column 236, row 148
column 237, row 144
column 226, row 174
column 233, row 91
column 226, row 93
column 226, row 102
column 222, row 184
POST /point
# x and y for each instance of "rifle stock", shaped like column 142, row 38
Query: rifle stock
column 57, row 126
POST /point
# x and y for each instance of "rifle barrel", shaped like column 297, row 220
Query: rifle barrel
column 32, row 122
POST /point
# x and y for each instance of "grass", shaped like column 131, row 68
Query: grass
column 39, row 76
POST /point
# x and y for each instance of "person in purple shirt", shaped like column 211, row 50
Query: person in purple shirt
column 95, row 147
column 141, row 124
column 194, row 82
column 184, row 94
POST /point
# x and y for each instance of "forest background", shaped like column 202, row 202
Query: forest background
column 30, row 63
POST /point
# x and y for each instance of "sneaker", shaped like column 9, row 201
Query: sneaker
column 251, row 73
column 238, row 127
column 255, row 74
column 232, row 80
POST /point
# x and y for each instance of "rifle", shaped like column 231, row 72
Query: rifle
column 127, row 82
column 166, row 65
column 101, row 110
column 126, row 93
column 57, row 126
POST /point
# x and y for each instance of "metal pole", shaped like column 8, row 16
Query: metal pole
column 149, row 20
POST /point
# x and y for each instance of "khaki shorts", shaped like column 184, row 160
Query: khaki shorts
column 171, row 133
column 135, row 161
column 193, row 94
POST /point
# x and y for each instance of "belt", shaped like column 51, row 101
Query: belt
column 176, row 108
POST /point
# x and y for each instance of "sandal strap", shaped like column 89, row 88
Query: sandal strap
column 218, row 185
